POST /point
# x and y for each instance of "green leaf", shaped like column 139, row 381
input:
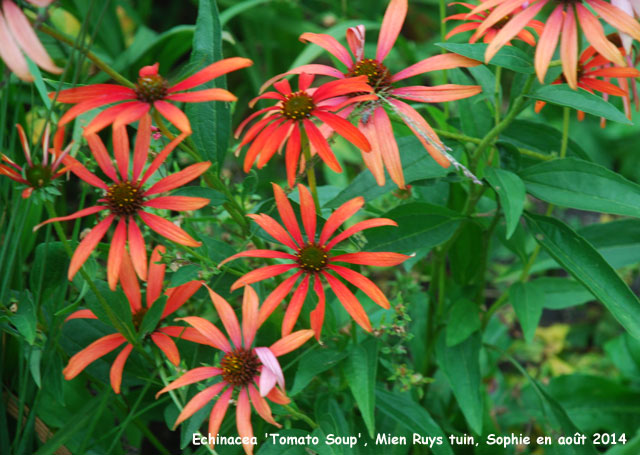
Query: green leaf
column 527, row 301
column 618, row 241
column 508, row 57
column 420, row 225
column 583, row 261
column 461, row 366
column 413, row 416
column 416, row 165
column 511, row 192
column 560, row 293
column 211, row 121
column 463, row 321
column 117, row 303
column 25, row 319
column 239, row 8
column 50, row 264
column 583, row 185
column 184, row 274
column 360, row 372
column 312, row 364
column 563, row 95
column 539, row 137
column 216, row 198
column 152, row 316
column 34, row 366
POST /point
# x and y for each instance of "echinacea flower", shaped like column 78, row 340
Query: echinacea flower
column 632, row 8
column 129, row 196
column 176, row 297
column 151, row 91
column 17, row 37
column 375, row 122
column 292, row 117
column 37, row 175
column 594, row 72
column 311, row 258
column 472, row 22
column 251, row 371
column 560, row 25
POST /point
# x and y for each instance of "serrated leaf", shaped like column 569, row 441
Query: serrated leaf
column 563, row 95
column 412, row 416
column 463, row 321
column 360, row 372
column 508, row 57
column 586, row 264
column 511, row 192
column 527, row 301
column 583, row 185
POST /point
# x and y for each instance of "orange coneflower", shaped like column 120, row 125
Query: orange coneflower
column 17, row 37
column 561, row 22
column 472, row 22
column 37, row 175
column 594, row 73
column 176, row 297
column 252, row 371
column 152, row 90
column 128, row 196
column 293, row 116
column 312, row 259
column 375, row 122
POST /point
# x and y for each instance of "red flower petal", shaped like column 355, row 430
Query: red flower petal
column 307, row 212
column 261, row 406
column 129, row 283
column 367, row 258
column 141, row 151
column 115, row 373
column 167, row 346
column 227, row 316
column 179, row 295
column 190, row 377
column 161, row 157
column 83, row 173
column 349, row 302
column 569, row 49
column 210, row 94
column 199, row 401
column 360, row 226
column 209, row 331
column 295, row 305
column 317, row 315
column 101, row 155
column 339, row 216
column 177, row 203
column 168, row 230
column 243, row 420
column 330, row 44
column 250, row 322
column 81, row 314
column 277, row 295
column 286, row 214
column 290, row 342
column 435, row 63
column 95, row 350
column 218, row 412
column 319, row 143
column 174, row 115
column 548, row 42
column 292, row 155
column 211, row 72
column 179, row 178
column 391, row 25
column 362, row 282
column 274, row 229
column 73, row 216
column 88, row 244
column 156, row 275
column 137, row 249
column 262, row 274
column 345, row 129
column 116, row 251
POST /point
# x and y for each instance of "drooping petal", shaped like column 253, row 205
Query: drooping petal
column 156, row 275
column 274, row 229
column 250, row 322
column 161, row 157
column 11, row 54
column 79, row 214
column 293, row 310
column 349, row 302
column 131, row 114
column 373, row 159
column 378, row 259
column 286, row 214
column 260, row 140
column 594, row 33
column 262, row 274
column 177, row 203
column 437, row 94
column 360, row 226
column 388, row 146
column 363, row 283
column 243, row 420
column 616, row 17
column 199, row 401
column 602, row 86
column 330, row 44
column 141, row 150
column 435, row 63
column 218, row 412
column 167, row 346
column 341, row 87
column 273, row 142
column 83, row 173
column 174, row 115
column 95, row 350
column 80, row 94
column 496, row 15
column 339, row 216
column 211, row 72
column 116, row 251
column 270, row 363
column 316, row 316
column 199, row 96
column 291, row 342
column 512, row 28
column 345, row 129
column 190, row 377
column 106, row 117
column 209, row 331
column 355, row 39
column 462, row 28
column 227, row 316
column 548, row 42
column 129, row 283
column 272, row 254
column 167, row 229
column 268, row 116
column 321, row 70
column 277, row 396
column 277, row 295
column 87, row 245
column 569, row 50
column 391, row 25
column 137, row 249
column 292, row 155
column 115, row 373
column 101, row 155
column 319, row 143
column 186, row 333
column 179, row 295
column 92, row 103
column 81, row 314
column 261, row 406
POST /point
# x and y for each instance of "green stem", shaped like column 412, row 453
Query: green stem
column 516, row 108
column 565, row 131
column 300, row 416
column 311, row 173
column 496, row 95
column 119, row 78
